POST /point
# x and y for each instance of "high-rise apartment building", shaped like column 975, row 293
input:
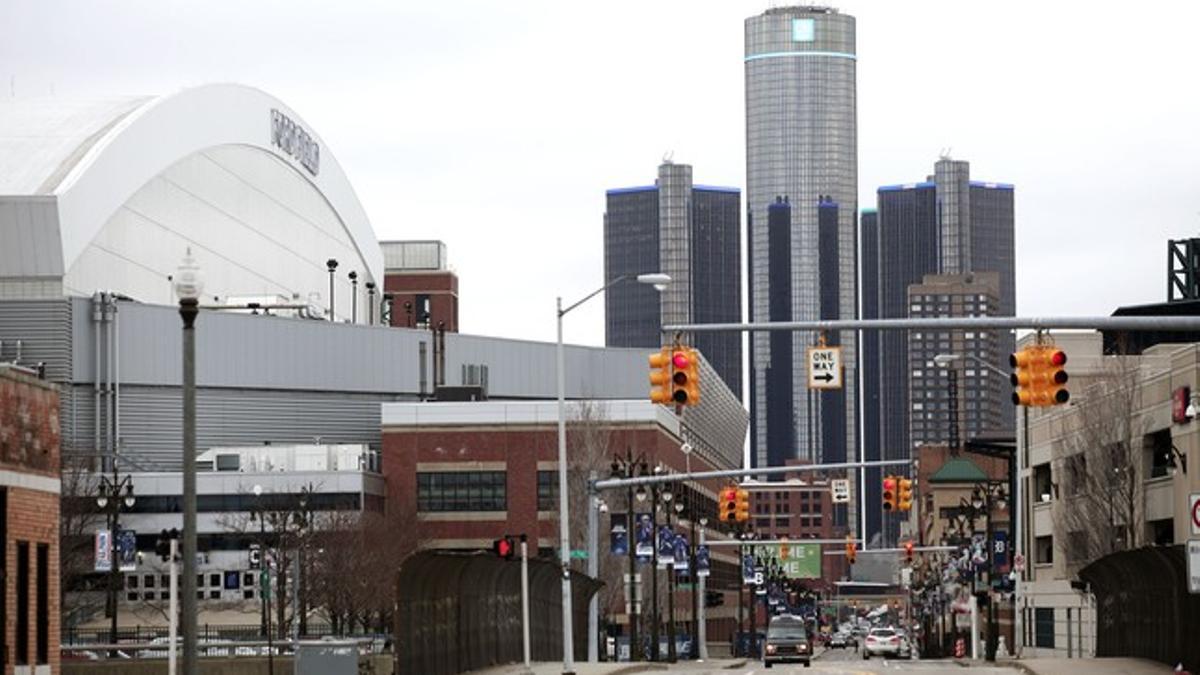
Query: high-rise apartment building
column 950, row 225
column 868, row 284
column 961, row 399
column 801, row 151
column 689, row 232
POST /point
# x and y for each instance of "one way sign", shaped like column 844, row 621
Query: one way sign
column 824, row 367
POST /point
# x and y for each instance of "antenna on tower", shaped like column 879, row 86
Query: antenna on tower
column 668, row 156
column 945, row 153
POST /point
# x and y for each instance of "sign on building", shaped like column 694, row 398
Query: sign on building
column 1194, row 509
column 803, row 560
column 824, row 367
column 840, row 489
column 1193, row 565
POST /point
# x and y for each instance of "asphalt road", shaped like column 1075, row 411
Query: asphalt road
column 842, row 662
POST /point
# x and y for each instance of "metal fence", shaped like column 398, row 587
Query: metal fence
column 462, row 611
column 221, row 632
column 1143, row 607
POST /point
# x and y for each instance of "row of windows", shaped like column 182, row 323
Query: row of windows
column 462, row 491
column 245, row 582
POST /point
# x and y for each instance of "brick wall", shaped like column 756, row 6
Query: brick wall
column 29, row 475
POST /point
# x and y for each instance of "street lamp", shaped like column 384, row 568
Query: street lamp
column 331, row 265
column 188, row 286
column 628, row 467
column 264, row 584
column 116, row 491
column 659, row 281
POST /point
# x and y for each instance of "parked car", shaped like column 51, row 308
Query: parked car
column 882, row 642
column 838, row 641
column 787, row 642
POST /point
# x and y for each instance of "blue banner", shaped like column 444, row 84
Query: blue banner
column 126, row 550
column 703, row 563
column 681, row 553
column 666, row 546
column 645, row 536
column 1000, row 551
column 619, row 544
column 747, row 569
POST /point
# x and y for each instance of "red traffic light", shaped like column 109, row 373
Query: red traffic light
column 504, row 548
column 1058, row 358
column 680, row 360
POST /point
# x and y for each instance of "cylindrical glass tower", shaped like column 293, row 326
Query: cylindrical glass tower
column 802, row 144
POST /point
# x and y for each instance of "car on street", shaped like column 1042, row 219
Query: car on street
column 882, row 642
column 787, row 642
column 838, row 641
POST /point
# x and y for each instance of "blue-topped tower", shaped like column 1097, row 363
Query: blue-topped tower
column 689, row 232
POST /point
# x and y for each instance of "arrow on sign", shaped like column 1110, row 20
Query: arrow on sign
column 827, row 377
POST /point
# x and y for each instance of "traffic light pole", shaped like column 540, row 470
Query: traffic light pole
column 174, row 607
column 701, row 609
column 525, row 599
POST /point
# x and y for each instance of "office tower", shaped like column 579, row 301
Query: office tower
column 689, row 232
column 962, row 399
column 868, row 283
column 801, row 144
column 946, row 222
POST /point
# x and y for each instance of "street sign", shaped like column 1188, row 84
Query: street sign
column 824, row 367
column 1195, row 511
column 1193, row 565
column 578, row 554
column 840, row 487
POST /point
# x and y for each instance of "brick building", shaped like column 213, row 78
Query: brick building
column 29, row 507
column 798, row 509
column 424, row 291
column 472, row 472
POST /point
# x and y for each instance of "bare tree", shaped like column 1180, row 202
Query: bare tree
column 82, row 589
column 1099, row 466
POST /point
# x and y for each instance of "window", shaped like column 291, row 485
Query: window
column 1042, row 487
column 804, row 30
column 214, row 580
column 42, row 622
column 783, row 523
column 1044, row 550
column 148, row 582
column 1157, row 449
column 462, row 491
column 248, row 579
column 1043, row 621
column 214, row 595
column 22, row 646
column 762, row 523
column 1076, row 475
column 547, row 490
column 131, row 582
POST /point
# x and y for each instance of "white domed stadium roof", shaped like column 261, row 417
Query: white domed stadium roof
column 108, row 193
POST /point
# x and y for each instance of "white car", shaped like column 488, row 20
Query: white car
column 882, row 642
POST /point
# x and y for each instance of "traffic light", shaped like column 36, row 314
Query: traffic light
column 504, row 548
column 890, row 501
column 1038, row 376
column 660, row 376
column 727, row 508
column 851, row 550
column 162, row 547
column 904, row 493
column 743, row 505
column 685, row 376
column 908, row 552
column 783, row 548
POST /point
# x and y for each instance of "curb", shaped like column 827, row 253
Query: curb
column 736, row 664
column 639, row 668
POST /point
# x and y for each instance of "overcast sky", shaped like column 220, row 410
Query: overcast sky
column 497, row 126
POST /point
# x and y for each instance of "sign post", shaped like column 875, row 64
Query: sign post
column 1194, row 509
column 824, row 367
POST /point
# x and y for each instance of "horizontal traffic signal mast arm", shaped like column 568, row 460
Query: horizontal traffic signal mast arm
column 772, row 542
column 1130, row 323
column 611, row 483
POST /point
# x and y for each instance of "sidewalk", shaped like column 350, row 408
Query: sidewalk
column 581, row 668
column 1105, row 666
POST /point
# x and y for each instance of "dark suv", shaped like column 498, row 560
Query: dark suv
column 787, row 641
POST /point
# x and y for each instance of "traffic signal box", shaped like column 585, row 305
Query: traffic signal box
column 504, row 548
column 660, row 376
column 1039, row 378
column 890, row 496
column 851, row 550
column 728, row 505
column 685, row 376
column 743, row 505
column 904, row 493
column 908, row 551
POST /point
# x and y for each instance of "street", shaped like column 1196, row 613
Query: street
column 847, row 662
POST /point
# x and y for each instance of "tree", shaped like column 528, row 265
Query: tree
column 1098, row 465
column 82, row 589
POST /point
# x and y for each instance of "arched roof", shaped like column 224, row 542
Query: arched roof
column 92, row 156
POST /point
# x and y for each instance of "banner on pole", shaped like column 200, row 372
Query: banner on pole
column 126, row 550
column 681, row 553
column 104, row 549
column 645, row 536
column 666, row 546
column 619, row 544
column 703, row 561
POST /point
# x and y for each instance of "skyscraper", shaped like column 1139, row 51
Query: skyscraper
column 689, row 232
column 869, row 364
column 952, row 226
column 801, row 148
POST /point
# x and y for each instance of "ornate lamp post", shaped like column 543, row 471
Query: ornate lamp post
column 188, row 286
column 111, row 493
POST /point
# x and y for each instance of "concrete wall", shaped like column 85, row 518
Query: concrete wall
column 382, row 665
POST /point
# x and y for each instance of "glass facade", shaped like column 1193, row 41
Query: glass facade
column 462, row 491
column 869, row 362
column 689, row 232
column 801, row 143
